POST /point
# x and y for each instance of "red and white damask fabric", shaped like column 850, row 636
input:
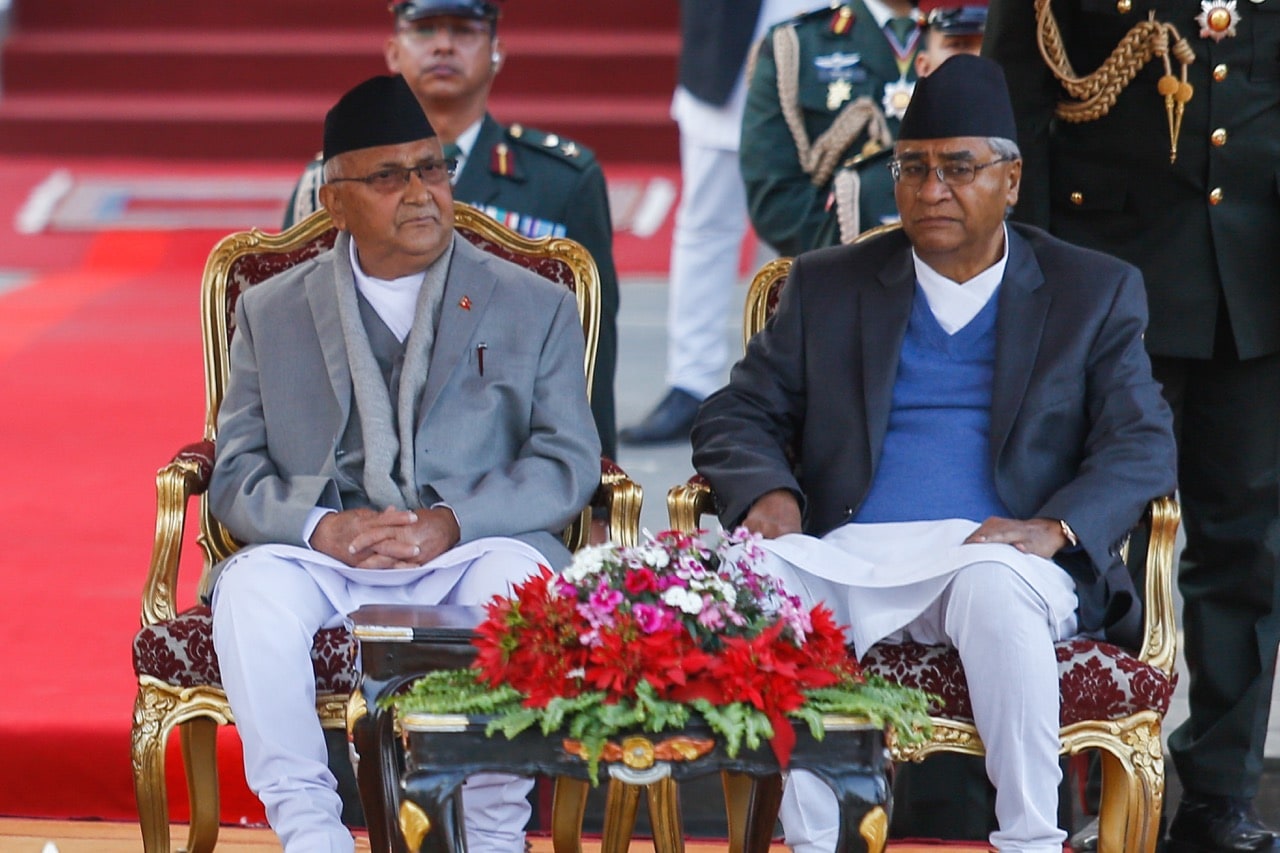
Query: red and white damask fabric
column 179, row 652
column 1098, row 681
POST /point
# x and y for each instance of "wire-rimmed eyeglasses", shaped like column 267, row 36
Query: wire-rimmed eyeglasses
column 958, row 173
column 390, row 179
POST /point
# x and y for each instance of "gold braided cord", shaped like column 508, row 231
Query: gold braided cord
column 1096, row 93
column 859, row 116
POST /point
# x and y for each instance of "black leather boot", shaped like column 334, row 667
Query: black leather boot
column 1209, row 824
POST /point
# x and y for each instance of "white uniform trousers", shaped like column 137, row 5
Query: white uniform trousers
column 711, row 221
column 1003, row 616
column 267, row 606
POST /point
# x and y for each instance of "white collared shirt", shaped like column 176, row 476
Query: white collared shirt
column 465, row 142
column 394, row 300
column 955, row 303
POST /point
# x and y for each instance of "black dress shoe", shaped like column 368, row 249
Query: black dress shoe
column 1205, row 824
column 1085, row 839
column 671, row 420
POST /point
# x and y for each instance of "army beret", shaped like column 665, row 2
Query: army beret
column 380, row 111
column 413, row 10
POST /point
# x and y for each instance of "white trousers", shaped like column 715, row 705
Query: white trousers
column 267, row 606
column 1004, row 630
column 711, row 221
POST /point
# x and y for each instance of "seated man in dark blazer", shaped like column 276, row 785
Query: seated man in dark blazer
column 944, row 433
column 406, row 421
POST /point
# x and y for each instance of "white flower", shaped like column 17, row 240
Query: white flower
column 587, row 562
column 655, row 556
column 683, row 599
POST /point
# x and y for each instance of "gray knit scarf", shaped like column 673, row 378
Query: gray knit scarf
column 388, row 436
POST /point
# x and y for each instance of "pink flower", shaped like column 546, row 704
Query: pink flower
column 651, row 618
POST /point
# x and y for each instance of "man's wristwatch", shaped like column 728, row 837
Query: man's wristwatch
column 1072, row 539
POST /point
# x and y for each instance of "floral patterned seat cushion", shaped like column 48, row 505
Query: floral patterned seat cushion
column 179, row 651
column 1098, row 681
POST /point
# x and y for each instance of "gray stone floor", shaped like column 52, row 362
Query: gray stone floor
column 640, row 383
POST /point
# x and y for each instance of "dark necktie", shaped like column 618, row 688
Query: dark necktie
column 901, row 28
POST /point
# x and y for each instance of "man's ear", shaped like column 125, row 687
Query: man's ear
column 1015, row 182
column 391, row 53
column 331, row 200
column 923, row 64
column 497, row 56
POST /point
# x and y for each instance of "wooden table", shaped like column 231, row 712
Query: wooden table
column 443, row 750
column 398, row 644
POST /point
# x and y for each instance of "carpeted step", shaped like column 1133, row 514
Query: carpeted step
column 619, row 128
column 317, row 14
column 550, row 62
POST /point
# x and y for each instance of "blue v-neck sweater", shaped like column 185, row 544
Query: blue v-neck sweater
column 936, row 461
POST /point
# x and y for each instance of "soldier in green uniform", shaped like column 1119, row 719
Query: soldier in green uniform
column 538, row 184
column 1150, row 129
column 862, row 183
column 827, row 86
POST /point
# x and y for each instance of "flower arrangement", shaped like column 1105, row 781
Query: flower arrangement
column 641, row 638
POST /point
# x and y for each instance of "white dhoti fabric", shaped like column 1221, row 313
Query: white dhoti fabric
column 1000, row 608
column 267, row 606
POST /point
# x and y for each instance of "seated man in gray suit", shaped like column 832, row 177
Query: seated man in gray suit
column 944, row 433
column 406, row 421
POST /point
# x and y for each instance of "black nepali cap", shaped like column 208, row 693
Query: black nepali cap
column 413, row 10
column 965, row 96
column 380, row 111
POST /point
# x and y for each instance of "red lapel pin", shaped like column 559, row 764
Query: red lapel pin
column 465, row 303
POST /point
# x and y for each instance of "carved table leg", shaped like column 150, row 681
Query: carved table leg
column 568, row 806
column 619, row 817
column 664, row 813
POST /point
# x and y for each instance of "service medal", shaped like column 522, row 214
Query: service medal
column 1217, row 19
column 838, row 91
column 896, row 97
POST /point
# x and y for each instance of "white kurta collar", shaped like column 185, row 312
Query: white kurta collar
column 394, row 300
column 954, row 304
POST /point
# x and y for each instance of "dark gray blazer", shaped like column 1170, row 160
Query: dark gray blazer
column 513, row 451
column 1079, row 430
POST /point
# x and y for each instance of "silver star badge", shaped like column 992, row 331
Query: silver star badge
column 1217, row 19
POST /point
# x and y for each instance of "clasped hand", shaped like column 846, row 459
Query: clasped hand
column 391, row 539
column 777, row 513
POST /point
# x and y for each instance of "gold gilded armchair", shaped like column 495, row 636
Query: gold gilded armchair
column 1112, row 700
column 179, row 685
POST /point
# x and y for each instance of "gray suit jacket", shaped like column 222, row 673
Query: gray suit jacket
column 513, row 451
column 1079, row 430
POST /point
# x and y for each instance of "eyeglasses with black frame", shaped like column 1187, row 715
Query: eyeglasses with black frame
column 957, row 173
column 391, row 179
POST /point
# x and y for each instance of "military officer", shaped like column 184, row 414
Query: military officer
column 538, row 184
column 1175, row 170
column 827, row 85
column 862, row 183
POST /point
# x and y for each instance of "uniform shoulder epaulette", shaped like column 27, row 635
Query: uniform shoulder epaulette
column 836, row 17
column 551, row 144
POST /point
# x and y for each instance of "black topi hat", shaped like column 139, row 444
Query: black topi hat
column 965, row 96
column 380, row 111
column 413, row 10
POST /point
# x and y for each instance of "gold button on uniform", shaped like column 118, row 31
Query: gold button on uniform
column 1123, row 6
column 1219, row 73
column 1215, row 195
column 1077, row 198
column 1219, row 137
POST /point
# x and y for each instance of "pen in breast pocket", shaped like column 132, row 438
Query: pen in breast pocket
column 480, row 348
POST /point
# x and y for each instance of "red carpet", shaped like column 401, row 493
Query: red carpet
column 100, row 381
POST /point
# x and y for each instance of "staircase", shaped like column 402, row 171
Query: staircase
column 252, row 79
